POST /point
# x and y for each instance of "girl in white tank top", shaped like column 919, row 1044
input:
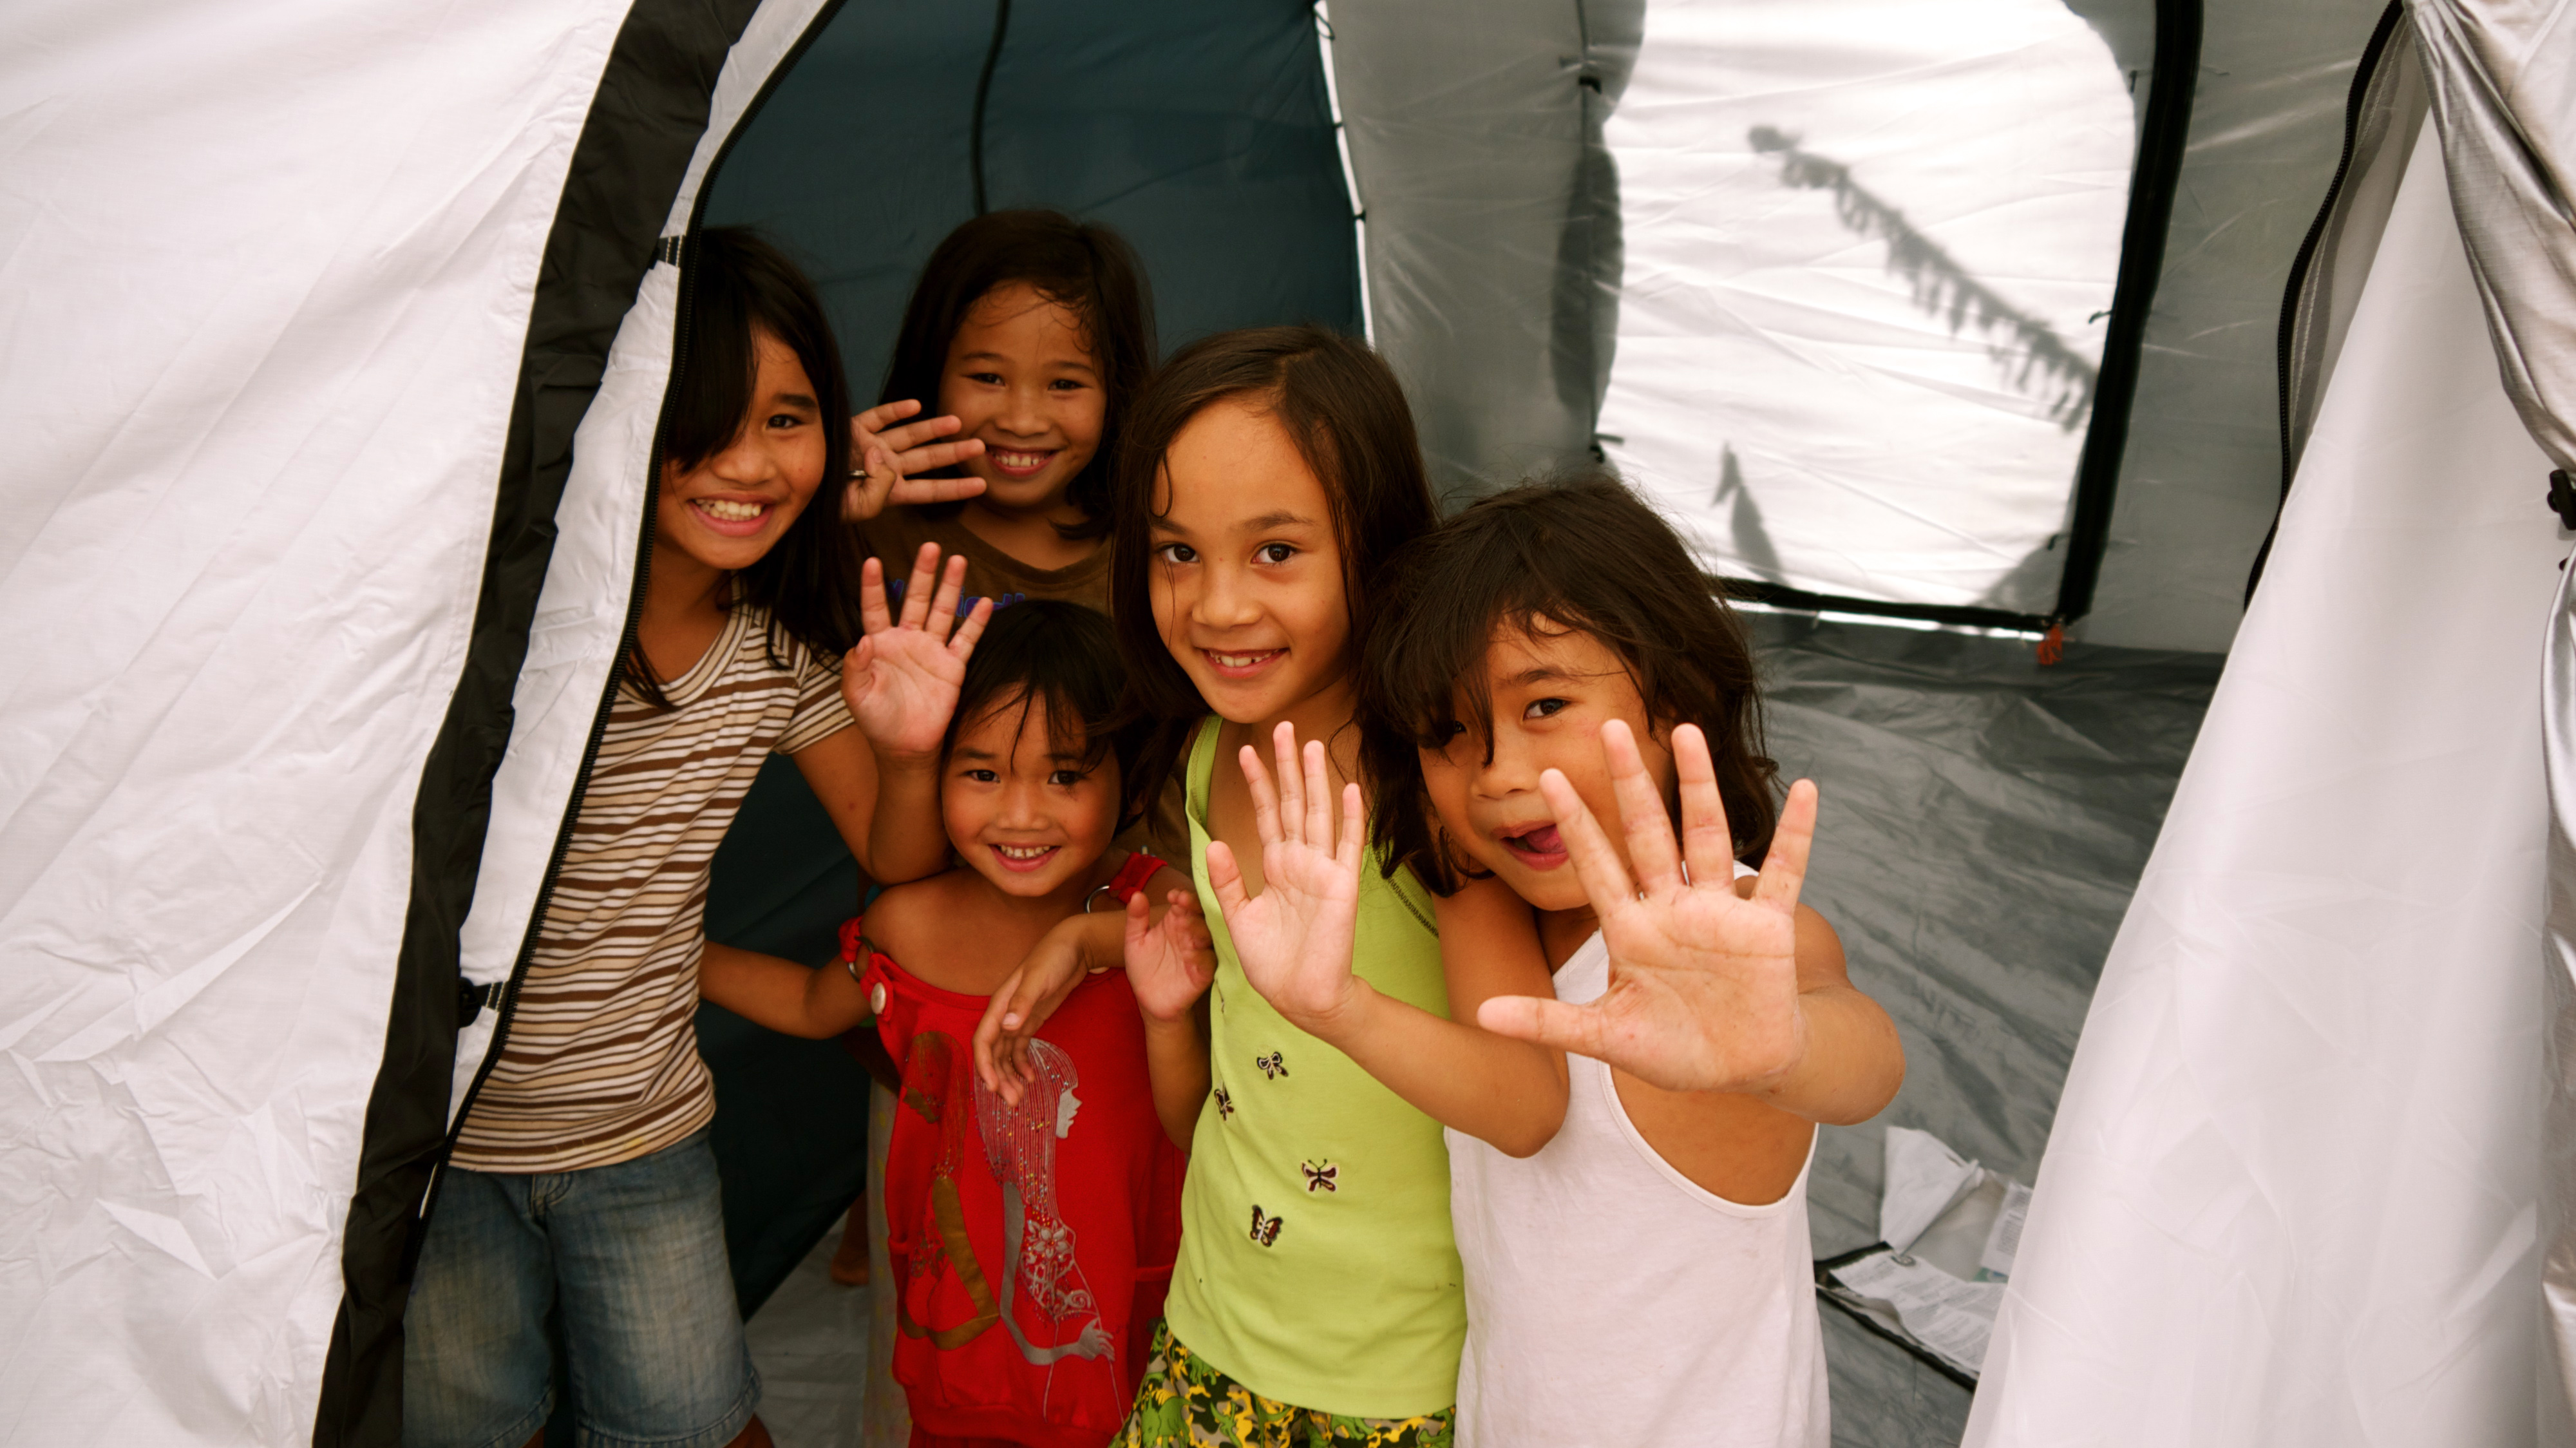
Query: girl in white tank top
column 1550, row 662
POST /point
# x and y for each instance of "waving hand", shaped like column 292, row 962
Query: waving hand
column 901, row 681
column 1295, row 939
column 1703, row 989
column 886, row 456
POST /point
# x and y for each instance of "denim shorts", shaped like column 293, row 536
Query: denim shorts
column 631, row 1257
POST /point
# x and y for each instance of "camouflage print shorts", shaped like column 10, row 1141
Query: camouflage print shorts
column 1184, row 1403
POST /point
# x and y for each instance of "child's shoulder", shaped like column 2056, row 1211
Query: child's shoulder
column 901, row 915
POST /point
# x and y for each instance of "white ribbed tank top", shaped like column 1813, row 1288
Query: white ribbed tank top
column 1611, row 1302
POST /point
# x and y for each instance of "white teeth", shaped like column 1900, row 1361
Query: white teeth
column 1024, row 852
column 1240, row 661
column 1019, row 459
column 731, row 511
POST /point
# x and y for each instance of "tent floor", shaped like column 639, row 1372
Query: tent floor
column 1984, row 822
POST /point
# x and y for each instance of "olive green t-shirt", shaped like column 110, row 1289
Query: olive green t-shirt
column 896, row 535
column 1317, row 1266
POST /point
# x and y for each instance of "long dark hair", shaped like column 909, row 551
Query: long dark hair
column 1063, row 655
column 1347, row 416
column 1083, row 267
column 736, row 285
column 1583, row 553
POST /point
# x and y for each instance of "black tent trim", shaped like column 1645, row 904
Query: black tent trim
column 643, row 127
column 2163, row 133
column 2357, row 103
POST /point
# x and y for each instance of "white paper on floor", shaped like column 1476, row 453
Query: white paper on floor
column 1951, row 1228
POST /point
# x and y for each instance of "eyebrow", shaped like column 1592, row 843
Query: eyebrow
column 1280, row 519
column 962, row 752
column 799, row 399
column 1540, row 675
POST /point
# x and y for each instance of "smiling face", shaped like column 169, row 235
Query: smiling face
column 1029, row 819
column 1552, row 690
column 734, row 505
column 1247, row 573
column 1020, row 377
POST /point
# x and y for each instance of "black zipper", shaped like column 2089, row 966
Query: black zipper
column 507, row 1007
column 2364, row 76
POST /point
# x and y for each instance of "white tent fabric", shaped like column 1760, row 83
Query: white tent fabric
column 1865, row 288
column 2289, row 1197
column 267, row 274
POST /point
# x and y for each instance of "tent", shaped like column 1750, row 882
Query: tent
column 335, row 343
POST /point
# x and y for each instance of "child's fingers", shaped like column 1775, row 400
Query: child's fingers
column 1641, row 812
column 1319, row 797
column 988, row 1033
column 908, row 439
column 1225, row 877
column 1784, row 869
column 1605, row 883
column 934, row 455
column 1292, row 792
column 1139, row 927
column 881, row 416
column 916, row 592
column 914, row 491
column 1708, row 841
column 943, row 609
column 971, row 629
column 1354, row 829
column 874, row 616
column 1265, row 800
column 1550, row 1023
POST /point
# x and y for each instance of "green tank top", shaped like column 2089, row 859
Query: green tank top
column 1317, row 1266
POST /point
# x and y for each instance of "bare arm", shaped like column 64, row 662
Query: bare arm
column 1170, row 962
column 1507, row 1093
column 782, row 995
column 1295, row 941
column 880, row 782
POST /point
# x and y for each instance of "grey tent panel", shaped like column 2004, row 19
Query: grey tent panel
column 1984, row 822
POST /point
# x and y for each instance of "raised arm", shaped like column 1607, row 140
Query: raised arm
column 880, row 782
column 1295, row 943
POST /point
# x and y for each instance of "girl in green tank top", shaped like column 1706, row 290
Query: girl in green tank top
column 1318, row 1290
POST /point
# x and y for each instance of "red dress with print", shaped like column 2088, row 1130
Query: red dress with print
column 1031, row 1245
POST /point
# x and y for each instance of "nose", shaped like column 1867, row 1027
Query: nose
column 742, row 462
column 1023, row 803
column 1514, row 769
column 1224, row 601
column 1023, row 411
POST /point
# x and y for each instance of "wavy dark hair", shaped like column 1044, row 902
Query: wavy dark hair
column 1576, row 552
column 1347, row 415
column 734, row 287
column 1061, row 654
column 1083, row 267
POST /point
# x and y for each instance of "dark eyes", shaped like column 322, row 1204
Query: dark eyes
column 1065, row 778
column 1177, row 553
column 989, row 379
column 1544, row 708
column 984, row 776
column 1274, row 552
column 784, row 420
column 1446, row 730
column 1065, row 384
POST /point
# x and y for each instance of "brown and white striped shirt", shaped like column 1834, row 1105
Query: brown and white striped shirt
column 601, row 1065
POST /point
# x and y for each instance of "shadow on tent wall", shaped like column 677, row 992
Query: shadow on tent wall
column 1202, row 133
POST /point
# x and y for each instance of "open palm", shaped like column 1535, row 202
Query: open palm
column 888, row 456
column 1294, row 939
column 901, row 681
column 1703, row 991
column 1170, row 961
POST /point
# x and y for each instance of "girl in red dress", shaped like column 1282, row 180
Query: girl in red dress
column 1031, row 1242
